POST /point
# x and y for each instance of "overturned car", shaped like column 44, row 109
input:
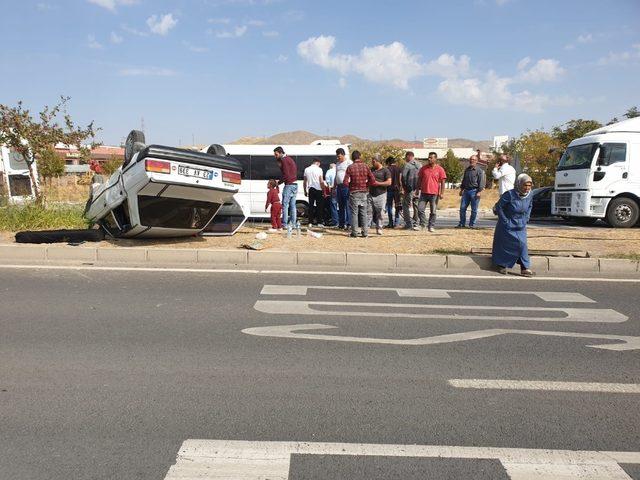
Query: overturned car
column 164, row 191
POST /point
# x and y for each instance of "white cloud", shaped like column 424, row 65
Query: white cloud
column 282, row 58
column 43, row 7
column 588, row 38
column 544, row 70
column 448, row 66
column 392, row 63
column 621, row 58
column 160, row 25
column 146, row 72
column 219, row 21
column 133, row 31
column 195, row 48
column 93, row 43
column 115, row 38
column 270, row 33
column 256, row 23
column 235, row 33
column 491, row 92
column 112, row 4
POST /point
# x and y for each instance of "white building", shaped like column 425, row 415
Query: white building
column 499, row 141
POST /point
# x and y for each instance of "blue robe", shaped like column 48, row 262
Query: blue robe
column 510, row 237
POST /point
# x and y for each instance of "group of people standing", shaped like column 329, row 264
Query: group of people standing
column 357, row 195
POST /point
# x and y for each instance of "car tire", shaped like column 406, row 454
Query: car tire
column 60, row 236
column 302, row 210
column 623, row 212
column 215, row 149
column 130, row 147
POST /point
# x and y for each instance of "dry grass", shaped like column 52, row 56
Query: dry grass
column 452, row 199
column 71, row 189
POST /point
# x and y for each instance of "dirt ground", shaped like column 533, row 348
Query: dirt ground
column 597, row 241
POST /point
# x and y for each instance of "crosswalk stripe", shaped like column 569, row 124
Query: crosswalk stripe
column 216, row 459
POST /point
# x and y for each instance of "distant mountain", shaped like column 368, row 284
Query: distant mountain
column 302, row 137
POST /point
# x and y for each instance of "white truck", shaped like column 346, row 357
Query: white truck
column 598, row 176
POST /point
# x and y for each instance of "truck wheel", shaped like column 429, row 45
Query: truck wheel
column 135, row 136
column 623, row 212
column 215, row 149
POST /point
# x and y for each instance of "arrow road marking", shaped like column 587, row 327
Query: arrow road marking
column 280, row 307
column 210, row 459
column 290, row 331
column 569, row 297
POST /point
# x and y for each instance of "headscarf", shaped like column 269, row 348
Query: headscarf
column 520, row 181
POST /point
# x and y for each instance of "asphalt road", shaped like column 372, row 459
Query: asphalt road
column 104, row 374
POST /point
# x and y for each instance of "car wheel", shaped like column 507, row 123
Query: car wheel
column 623, row 212
column 215, row 149
column 302, row 210
column 134, row 137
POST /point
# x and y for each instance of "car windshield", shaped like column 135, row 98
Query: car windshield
column 577, row 157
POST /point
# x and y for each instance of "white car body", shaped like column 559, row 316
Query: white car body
column 597, row 168
column 167, row 192
column 14, row 176
column 260, row 165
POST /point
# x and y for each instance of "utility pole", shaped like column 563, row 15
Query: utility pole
column 142, row 124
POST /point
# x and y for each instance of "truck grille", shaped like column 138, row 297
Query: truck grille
column 563, row 200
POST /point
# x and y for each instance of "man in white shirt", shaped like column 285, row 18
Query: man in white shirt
column 505, row 174
column 313, row 184
column 342, row 191
column 330, row 180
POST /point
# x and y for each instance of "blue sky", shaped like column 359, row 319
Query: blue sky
column 215, row 70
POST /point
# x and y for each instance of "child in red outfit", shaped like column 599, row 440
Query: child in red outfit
column 273, row 199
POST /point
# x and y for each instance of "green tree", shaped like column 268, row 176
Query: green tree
column 111, row 165
column 564, row 134
column 538, row 155
column 31, row 136
column 452, row 166
column 384, row 150
column 632, row 113
column 50, row 164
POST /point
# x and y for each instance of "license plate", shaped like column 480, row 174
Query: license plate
column 195, row 172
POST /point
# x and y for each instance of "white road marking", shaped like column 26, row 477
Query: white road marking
column 217, row 459
column 371, row 309
column 290, row 331
column 319, row 273
column 546, row 386
column 570, row 297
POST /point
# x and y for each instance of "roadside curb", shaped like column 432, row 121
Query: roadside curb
column 379, row 261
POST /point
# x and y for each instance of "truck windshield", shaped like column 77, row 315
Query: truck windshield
column 577, row 157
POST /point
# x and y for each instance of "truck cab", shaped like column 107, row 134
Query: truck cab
column 598, row 176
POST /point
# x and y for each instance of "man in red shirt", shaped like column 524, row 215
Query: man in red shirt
column 431, row 178
column 290, row 191
column 359, row 178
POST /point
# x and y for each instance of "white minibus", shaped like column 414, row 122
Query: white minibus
column 260, row 165
column 14, row 176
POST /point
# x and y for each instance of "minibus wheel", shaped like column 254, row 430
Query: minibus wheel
column 302, row 210
column 623, row 212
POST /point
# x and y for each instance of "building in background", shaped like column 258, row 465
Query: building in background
column 99, row 155
column 499, row 141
